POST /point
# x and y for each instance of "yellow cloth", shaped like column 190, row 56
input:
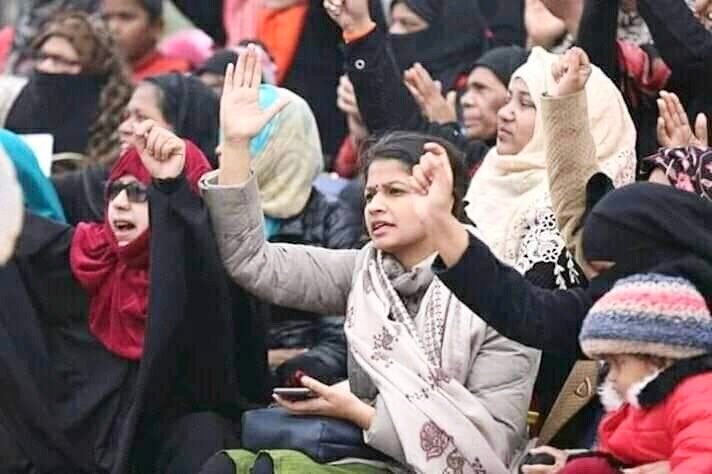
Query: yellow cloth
column 286, row 156
column 508, row 191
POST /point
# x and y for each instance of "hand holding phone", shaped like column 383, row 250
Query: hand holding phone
column 293, row 394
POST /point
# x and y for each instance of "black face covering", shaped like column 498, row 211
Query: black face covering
column 644, row 225
column 64, row 105
column 448, row 48
column 193, row 109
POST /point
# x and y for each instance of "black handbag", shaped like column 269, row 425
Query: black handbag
column 321, row 438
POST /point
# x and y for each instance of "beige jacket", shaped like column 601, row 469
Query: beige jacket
column 571, row 162
column 499, row 372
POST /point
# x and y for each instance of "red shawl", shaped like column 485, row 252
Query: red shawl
column 117, row 278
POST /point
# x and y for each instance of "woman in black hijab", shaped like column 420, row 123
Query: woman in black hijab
column 176, row 101
column 454, row 37
column 640, row 227
column 191, row 108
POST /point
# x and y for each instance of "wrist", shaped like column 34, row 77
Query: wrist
column 358, row 30
column 362, row 415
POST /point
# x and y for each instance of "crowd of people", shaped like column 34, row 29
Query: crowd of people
column 356, row 236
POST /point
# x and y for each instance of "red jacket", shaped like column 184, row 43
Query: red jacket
column 674, row 422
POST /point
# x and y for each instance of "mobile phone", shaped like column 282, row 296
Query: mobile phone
column 293, row 393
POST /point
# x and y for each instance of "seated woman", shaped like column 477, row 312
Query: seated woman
column 430, row 384
column 108, row 371
column 287, row 158
column 77, row 91
column 177, row 102
column 509, row 197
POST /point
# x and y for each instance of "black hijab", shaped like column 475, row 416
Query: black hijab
column 448, row 48
column 192, row 108
column 64, row 105
column 644, row 225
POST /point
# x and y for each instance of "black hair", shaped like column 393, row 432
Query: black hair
column 154, row 8
column 407, row 148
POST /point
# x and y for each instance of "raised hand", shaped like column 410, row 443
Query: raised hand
column 673, row 126
column 162, row 152
column 571, row 73
column 351, row 15
column 428, row 95
column 346, row 97
column 432, row 181
column 346, row 101
column 241, row 116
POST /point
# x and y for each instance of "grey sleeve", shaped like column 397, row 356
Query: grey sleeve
column 502, row 379
column 296, row 276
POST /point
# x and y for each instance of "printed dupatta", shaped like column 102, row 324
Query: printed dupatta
column 440, row 424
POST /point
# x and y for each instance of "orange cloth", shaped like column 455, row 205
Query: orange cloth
column 280, row 30
column 155, row 64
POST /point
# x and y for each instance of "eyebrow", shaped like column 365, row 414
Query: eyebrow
column 389, row 183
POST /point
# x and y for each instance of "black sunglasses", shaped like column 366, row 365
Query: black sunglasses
column 135, row 191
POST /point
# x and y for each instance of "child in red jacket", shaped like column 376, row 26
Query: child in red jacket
column 655, row 333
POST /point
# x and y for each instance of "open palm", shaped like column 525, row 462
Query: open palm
column 241, row 116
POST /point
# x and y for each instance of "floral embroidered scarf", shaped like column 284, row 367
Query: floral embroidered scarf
column 442, row 427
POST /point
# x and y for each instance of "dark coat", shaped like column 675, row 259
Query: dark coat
column 324, row 223
column 82, row 193
column 386, row 104
column 680, row 40
column 71, row 405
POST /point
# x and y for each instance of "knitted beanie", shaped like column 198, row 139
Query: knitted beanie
column 650, row 314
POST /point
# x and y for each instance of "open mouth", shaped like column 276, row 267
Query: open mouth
column 123, row 226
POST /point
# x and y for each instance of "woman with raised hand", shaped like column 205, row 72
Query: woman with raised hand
column 430, row 385
column 107, row 370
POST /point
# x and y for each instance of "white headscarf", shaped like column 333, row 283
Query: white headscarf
column 508, row 192
column 11, row 199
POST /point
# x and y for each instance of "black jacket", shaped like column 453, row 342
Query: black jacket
column 516, row 308
column 680, row 40
column 324, row 223
column 72, row 406
column 386, row 104
column 82, row 193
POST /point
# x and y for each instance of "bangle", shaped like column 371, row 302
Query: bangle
column 352, row 36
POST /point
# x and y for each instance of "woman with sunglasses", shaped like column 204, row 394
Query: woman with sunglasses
column 108, row 372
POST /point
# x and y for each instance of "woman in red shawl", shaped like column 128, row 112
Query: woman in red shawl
column 134, row 387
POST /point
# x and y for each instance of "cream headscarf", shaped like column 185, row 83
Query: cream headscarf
column 286, row 155
column 509, row 192
column 11, row 199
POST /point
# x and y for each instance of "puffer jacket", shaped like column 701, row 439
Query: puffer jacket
column 325, row 223
column 673, row 421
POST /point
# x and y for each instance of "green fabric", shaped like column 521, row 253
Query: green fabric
column 294, row 462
